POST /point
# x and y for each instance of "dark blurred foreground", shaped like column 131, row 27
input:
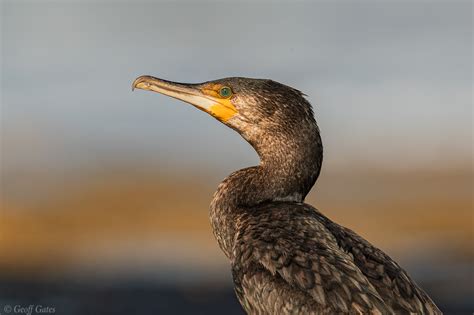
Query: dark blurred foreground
column 131, row 297
column 139, row 296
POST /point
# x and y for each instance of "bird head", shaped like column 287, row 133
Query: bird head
column 253, row 107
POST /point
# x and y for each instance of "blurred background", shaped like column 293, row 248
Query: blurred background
column 105, row 192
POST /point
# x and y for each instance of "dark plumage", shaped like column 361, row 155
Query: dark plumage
column 287, row 257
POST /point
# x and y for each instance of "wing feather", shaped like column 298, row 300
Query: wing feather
column 293, row 263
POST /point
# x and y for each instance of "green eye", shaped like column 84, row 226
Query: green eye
column 225, row 92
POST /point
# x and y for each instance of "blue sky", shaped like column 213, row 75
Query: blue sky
column 391, row 82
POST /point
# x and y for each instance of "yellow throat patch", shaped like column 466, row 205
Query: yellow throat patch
column 223, row 110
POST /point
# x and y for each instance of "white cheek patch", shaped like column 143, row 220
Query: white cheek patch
column 201, row 102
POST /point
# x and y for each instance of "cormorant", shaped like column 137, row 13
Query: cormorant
column 286, row 256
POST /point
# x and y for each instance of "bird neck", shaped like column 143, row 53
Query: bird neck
column 289, row 167
column 290, row 164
